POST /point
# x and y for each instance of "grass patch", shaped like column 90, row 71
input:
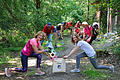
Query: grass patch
column 94, row 74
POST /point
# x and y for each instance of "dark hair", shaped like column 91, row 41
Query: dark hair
column 96, row 26
column 76, row 37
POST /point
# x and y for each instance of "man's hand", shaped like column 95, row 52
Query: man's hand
column 65, row 57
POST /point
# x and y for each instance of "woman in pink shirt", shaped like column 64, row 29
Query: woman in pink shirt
column 31, row 50
column 87, row 32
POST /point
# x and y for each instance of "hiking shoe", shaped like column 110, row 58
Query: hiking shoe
column 39, row 73
column 112, row 69
column 56, row 46
column 75, row 70
column 7, row 72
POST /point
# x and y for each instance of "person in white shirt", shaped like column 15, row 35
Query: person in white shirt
column 88, row 51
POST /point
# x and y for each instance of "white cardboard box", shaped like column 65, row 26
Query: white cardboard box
column 59, row 65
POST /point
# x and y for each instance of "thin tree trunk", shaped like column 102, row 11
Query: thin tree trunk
column 8, row 9
column 116, row 18
column 87, row 11
column 108, row 14
column 110, row 22
column 37, row 4
column 116, row 21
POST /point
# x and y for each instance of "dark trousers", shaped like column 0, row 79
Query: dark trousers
column 24, row 60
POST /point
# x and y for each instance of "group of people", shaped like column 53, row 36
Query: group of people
column 82, row 40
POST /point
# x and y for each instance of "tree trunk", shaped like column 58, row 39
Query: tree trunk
column 108, row 14
column 37, row 4
column 110, row 22
column 87, row 11
column 98, row 16
column 8, row 9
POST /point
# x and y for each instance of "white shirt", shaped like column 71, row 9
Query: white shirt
column 87, row 48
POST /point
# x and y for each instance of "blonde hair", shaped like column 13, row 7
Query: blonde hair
column 78, row 37
column 39, row 33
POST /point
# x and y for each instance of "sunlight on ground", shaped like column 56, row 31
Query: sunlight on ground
column 19, row 78
column 74, row 61
column 48, row 62
column 15, row 60
column 2, row 73
column 32, row 62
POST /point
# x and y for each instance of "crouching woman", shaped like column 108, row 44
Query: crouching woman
column 32, row 48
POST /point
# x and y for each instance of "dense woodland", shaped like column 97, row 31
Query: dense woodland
column 21, row 19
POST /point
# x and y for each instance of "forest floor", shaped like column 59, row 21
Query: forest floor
column 87, row 71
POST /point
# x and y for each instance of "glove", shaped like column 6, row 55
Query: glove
column 47, row 50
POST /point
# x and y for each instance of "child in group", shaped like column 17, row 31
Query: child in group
column 88, row 51
column 31, row 50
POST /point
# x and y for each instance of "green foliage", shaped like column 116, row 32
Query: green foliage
column 93, row 74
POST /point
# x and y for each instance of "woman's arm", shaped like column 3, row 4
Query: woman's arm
column 36, row 50
column 88, row 40
column 79, row 31
column 40, row 51
column 84, row 36
column 72, row 52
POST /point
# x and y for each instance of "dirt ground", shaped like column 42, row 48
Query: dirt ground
column 70, row 64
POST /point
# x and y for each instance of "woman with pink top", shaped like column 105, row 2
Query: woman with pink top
column 88, row 33
column 30, row 50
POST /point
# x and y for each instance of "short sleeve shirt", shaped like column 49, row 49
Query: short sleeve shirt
column 88, row 30
column 87, row 48
column 48, row 30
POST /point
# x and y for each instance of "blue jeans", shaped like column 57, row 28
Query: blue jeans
column 49, row 39
column 24, row 60
column 92, row 60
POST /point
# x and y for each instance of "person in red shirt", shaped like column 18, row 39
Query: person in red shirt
column 77, row 28
column 69, row 26
column 49, row 30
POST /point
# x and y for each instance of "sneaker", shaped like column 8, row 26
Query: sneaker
column 39, row 73
column 56, row 46
column 7, row 72
column 75, row 70
column 112, row 69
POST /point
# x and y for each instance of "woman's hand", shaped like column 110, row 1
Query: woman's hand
column 88, row 40
column 65, row 57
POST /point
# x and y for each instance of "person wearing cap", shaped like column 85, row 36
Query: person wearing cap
column 49, row 30
column 77, row 29
column 87, row 32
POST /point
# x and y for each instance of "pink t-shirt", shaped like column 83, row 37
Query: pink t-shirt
column 88, row 30
column 28, row 49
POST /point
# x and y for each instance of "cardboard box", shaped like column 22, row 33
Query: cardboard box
column 59, row 65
